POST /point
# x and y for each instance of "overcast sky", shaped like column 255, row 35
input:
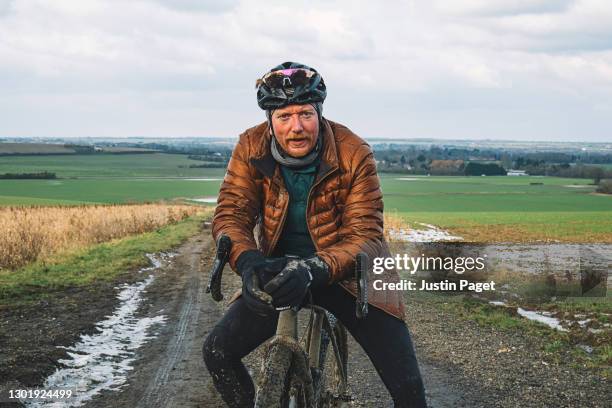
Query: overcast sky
column 477, row 69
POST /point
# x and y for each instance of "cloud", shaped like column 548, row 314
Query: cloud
column 151, row 52
column 6, row 7
column 213, row 6
column 502, row 7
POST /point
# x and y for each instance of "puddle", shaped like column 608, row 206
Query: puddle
column 102, row 361
column 561, row 259
column 157, row 260
column 431, row 234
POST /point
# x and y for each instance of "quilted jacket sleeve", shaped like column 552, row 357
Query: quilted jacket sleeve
column 362, row 218
column 238, row 204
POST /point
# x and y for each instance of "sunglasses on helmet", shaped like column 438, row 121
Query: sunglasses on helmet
column 287, row 78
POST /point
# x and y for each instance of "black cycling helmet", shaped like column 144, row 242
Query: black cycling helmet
column 290, row 83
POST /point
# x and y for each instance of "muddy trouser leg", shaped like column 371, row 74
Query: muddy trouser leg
column 385, row 339
column 238, row 333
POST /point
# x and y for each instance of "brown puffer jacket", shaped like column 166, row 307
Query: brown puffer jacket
column 344, row 209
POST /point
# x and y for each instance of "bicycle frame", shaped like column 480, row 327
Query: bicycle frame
column 286, row 360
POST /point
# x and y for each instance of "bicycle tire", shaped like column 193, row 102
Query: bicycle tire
column 272, row 381
column 285, row 361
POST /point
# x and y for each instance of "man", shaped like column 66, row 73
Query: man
column 310, row 189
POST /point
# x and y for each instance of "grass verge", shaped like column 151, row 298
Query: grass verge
column 557, row 346
column 102, row 262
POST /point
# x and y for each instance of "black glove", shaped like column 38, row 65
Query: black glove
column 289, row 287
column 256, row 270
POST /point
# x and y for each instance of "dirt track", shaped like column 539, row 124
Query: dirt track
column 169, row 371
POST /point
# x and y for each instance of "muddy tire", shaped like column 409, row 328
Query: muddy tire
column 273, row 384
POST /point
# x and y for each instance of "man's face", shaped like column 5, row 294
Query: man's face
column 296, row 128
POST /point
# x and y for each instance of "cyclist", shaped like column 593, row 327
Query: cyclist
column 309, row 187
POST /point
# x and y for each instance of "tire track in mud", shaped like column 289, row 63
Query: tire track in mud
column 170, row 371
column 156, row 395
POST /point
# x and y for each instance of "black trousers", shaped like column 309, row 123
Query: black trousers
column 384, row 338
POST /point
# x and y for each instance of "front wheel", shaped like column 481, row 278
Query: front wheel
column 285, row 380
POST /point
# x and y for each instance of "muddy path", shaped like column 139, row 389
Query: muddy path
column 170, row 372
column 459, row 361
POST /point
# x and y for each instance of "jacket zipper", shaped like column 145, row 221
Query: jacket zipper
column 314, row 241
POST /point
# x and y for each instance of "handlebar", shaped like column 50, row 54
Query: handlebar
column 361, row 276
column 224, row 246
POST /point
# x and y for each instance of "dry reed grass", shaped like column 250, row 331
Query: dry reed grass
column 394, row 222
column 29, row 234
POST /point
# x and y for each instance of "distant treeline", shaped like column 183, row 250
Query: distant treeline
column 5, row 154
column 507, row 158
column 208, row 166
column 67, row 149
column 488, row 169
column 567, row 170
column 212, row 160
column 23, row 176
column 218, row 165
column 194, row 152
column 81, row 149
column 209, row 158
column 458, row 162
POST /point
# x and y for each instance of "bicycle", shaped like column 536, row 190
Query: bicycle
column 294, row 373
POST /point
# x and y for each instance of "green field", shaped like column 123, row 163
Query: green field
column 503, row 208
column 479, row 208
column 106, row 179
column 108, row 165
column 497, row 193
column 103, row 190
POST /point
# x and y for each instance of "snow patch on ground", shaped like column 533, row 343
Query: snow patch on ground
column 430, row 234
column 102, row 361
column 542, row 317
column 212, row 200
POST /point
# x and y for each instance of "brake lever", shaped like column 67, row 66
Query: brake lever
column 361, row 275
column 224, row 246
